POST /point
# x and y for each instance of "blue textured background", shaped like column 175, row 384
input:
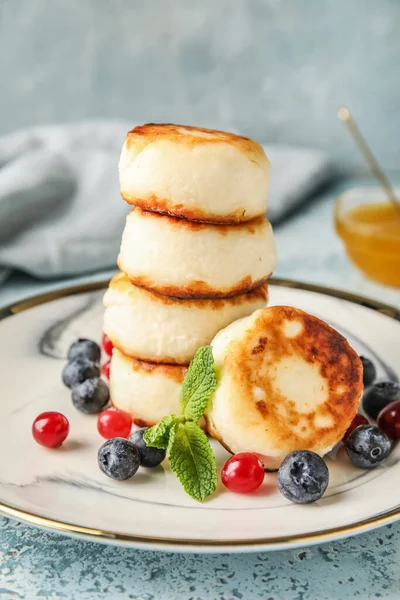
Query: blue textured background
column 273, row 69
column 358, row 567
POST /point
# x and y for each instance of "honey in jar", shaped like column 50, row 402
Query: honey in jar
column 370, row 230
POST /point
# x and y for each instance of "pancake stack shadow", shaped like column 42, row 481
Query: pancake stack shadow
column 195, row 255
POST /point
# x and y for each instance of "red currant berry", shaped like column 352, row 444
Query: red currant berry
column 389, row 420
column 50, row 429
column 107, row 344
column 243, row 473
column 105, row 369
column 358, row 420
column 114, row 423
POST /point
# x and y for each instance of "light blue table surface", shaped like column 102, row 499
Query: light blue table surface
column 34, row 564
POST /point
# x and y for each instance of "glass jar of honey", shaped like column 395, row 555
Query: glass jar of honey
column 369, row 226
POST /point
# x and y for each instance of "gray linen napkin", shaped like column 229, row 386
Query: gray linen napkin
column 296, row 173
column 60, row 209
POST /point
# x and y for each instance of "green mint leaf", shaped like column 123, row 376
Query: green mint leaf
column 158, row 435
column 199, row 384
column 192, row 459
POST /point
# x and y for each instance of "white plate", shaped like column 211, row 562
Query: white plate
column 64, row 490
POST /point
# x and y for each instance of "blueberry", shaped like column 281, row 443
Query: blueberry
column 118, row 458
column 78, row 370
column 91, row 396
column 378, row 396
column 369, row 371
column 84, row 348
column 367, row 446
column 149, row 457
column 303, row 477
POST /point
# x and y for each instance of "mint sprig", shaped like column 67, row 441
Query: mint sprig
column 199, row 383
column 158, row 436
column 188, row 448
column 192, row 460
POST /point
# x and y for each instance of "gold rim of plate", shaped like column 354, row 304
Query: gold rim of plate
column 98, row 534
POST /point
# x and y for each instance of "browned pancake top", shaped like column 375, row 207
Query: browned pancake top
column 283, row 350
column 190, row 136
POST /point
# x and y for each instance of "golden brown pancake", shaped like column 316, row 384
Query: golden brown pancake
column 185, row 259
column 200, row 174
column 164, row 329
column 286, row 381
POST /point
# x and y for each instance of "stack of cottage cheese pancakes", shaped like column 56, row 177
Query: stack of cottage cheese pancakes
column 196, row 255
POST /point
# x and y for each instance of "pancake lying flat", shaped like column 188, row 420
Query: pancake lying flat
column 163, row 329
column 182, row 258
column 200, row 174
column 286, row 381
column 147, row 391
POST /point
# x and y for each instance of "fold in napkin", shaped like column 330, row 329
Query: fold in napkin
column 60, row 209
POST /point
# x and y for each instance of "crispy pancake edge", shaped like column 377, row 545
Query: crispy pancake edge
column 178, row 223
column 172, row 371
column 167, row 207
column 123, row 284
